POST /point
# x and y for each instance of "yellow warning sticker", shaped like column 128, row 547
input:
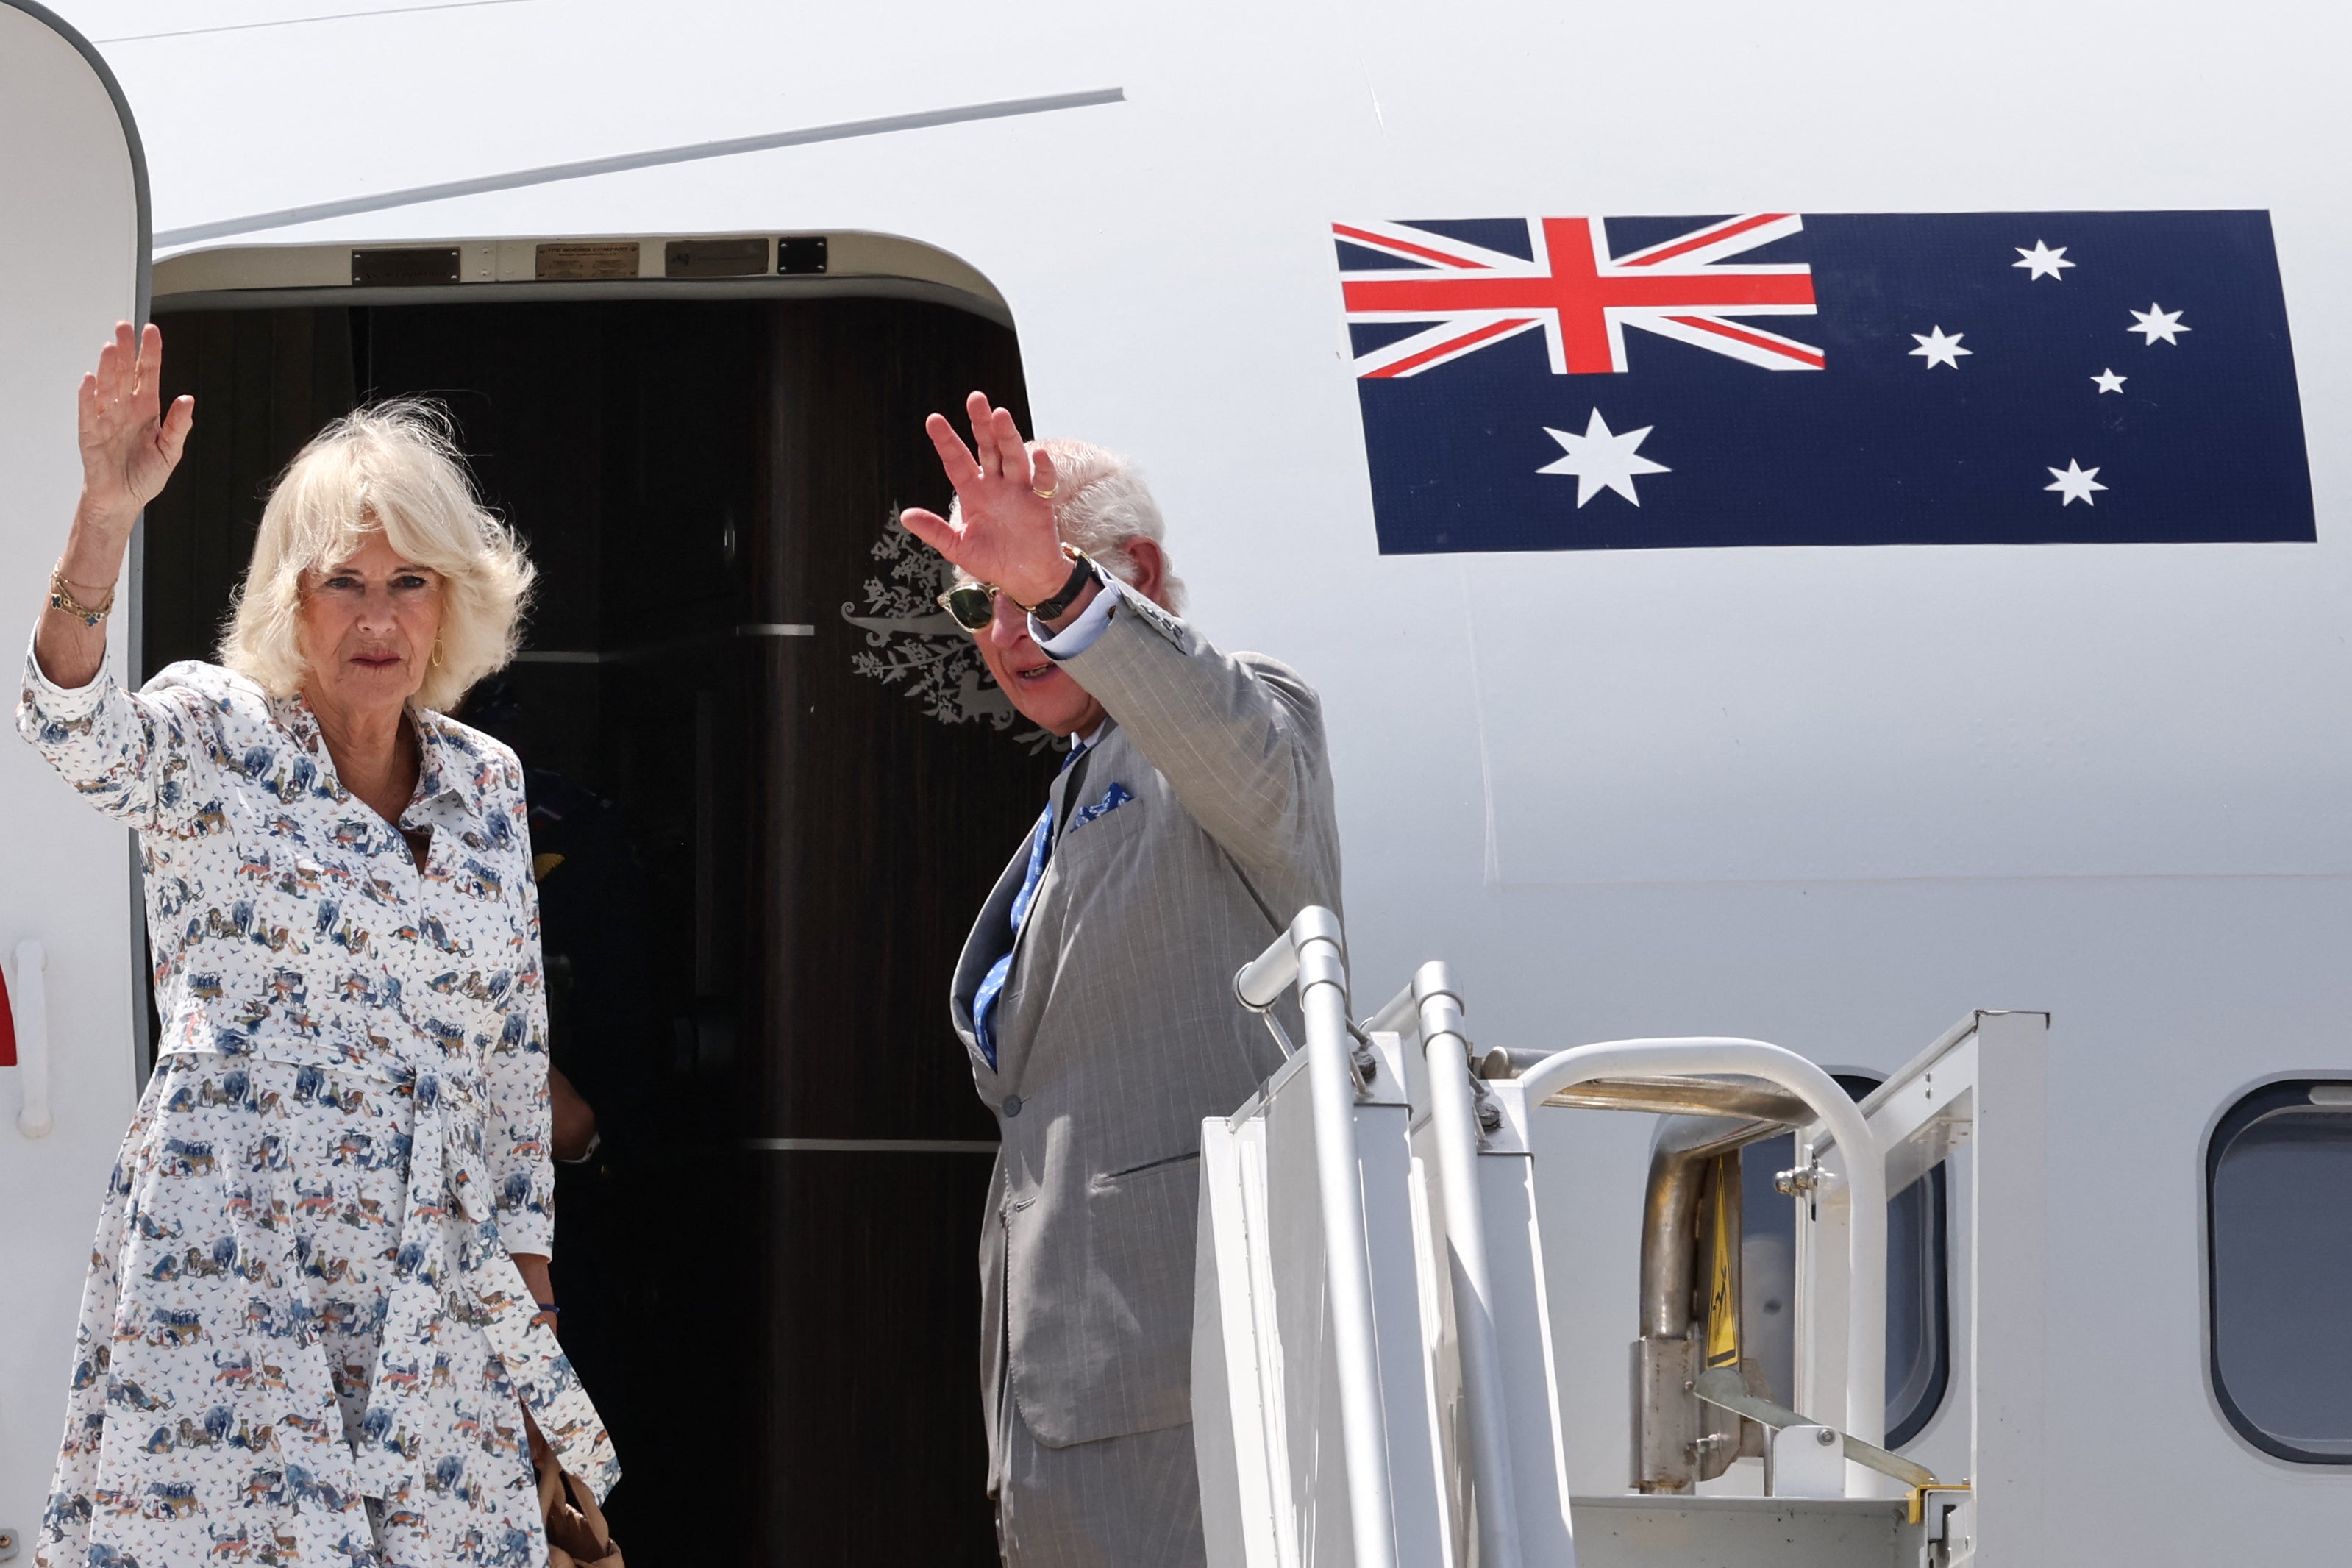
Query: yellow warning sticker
column 1722, row 1299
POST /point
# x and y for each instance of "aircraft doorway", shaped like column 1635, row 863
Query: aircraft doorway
column 762, row 825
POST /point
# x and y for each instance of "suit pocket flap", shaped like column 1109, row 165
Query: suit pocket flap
column 1104, row 827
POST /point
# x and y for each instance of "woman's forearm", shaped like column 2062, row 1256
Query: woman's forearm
column 536, row 1276
column 69, row 649
column 129, row 445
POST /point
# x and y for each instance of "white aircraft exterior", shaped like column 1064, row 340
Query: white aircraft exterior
column 1831, row 797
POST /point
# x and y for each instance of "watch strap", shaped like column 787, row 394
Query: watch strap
column 1082, row 572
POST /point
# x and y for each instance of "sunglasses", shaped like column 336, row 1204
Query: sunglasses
column 973, row 604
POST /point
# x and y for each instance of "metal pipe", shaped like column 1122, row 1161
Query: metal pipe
column 1261, row 981
column 1721, row 1095
column 1455, row 1121
column 1670, row 1224
column 1679, row 1155
column 1316, row 959
column 1403, row 1010
column 1865, row 1388
column 1667, row 1420
column 1723, row 1388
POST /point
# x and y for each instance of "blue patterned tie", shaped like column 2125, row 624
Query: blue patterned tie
column 991, row 985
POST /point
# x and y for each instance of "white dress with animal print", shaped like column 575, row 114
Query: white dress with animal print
column 304, row 1338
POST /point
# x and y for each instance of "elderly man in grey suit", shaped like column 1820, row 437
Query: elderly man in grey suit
column 1095, row 995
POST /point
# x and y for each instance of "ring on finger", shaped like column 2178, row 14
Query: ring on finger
column 1047, row 493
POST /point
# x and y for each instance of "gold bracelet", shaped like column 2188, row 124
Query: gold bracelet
column 61, row 598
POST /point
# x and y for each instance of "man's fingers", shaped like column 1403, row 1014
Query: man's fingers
column 930, row 527
column 1014, row 449
column 984, row 433
column 954, row 455
column 1043, row 476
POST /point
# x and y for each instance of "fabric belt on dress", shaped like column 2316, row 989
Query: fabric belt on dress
column 453, row 1268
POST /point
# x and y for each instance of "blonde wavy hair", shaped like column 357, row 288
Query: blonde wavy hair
column 393, row 465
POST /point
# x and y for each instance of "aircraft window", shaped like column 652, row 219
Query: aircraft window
column 2279, row 1268
column 1919, row 1295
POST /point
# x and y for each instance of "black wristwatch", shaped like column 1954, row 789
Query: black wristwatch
column 1082, row 572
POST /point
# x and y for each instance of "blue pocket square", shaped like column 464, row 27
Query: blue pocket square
column 1113, row 798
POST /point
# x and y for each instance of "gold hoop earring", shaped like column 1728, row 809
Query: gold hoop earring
column 437, row 653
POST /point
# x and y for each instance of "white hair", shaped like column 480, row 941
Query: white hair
column 1100, row 505
column 393, row 465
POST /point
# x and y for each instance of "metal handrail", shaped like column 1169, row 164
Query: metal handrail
column 1721, row 1386
column 1865, row 1369
column 1311, row 956
column 1724, row 1095
column 1766, row 1085
column 1430, row 1011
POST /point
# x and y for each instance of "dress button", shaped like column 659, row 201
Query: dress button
column 1012, row 1105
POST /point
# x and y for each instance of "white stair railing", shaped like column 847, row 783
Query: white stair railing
column 1308, row 956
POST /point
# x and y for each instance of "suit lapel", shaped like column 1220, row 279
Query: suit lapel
column 1072, row 780
column 986, row 942
column 982, row 947
column 1070, row 793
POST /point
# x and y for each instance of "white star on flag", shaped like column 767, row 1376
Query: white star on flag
column 1938, row 349
column 2109, row 381
column 2157, row 322
column 2076, row 483
column 2044, row 261
column 1601, row 461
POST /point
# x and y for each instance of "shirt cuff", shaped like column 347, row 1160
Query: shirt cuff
column 49, row 701
column 532, row 1235
column 1079, row 634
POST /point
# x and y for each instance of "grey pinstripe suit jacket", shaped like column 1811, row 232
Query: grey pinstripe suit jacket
column 1117, row 1031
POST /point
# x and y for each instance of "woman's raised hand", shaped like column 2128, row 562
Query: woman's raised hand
column 128, row 446
column 1004, row 532
column 128, row 449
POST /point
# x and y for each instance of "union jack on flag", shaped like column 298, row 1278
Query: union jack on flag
column 1971, row 378
column 1579, row 295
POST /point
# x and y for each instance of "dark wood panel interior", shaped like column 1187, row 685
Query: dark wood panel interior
column 939, row 807
column 871, row 1437
column 771, row 860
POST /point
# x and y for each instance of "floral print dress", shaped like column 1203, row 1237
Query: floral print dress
column 303, row 1338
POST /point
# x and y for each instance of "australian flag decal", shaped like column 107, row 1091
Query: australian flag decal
column 1777, row 378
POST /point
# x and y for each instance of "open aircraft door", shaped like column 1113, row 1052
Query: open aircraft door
column 73, row 262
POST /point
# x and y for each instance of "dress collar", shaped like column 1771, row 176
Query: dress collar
column 441, row 771
column 444, row 767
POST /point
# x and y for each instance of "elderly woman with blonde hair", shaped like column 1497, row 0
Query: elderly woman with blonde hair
column 318, row 1318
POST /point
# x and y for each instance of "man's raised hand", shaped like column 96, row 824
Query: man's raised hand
column 1003, row 530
